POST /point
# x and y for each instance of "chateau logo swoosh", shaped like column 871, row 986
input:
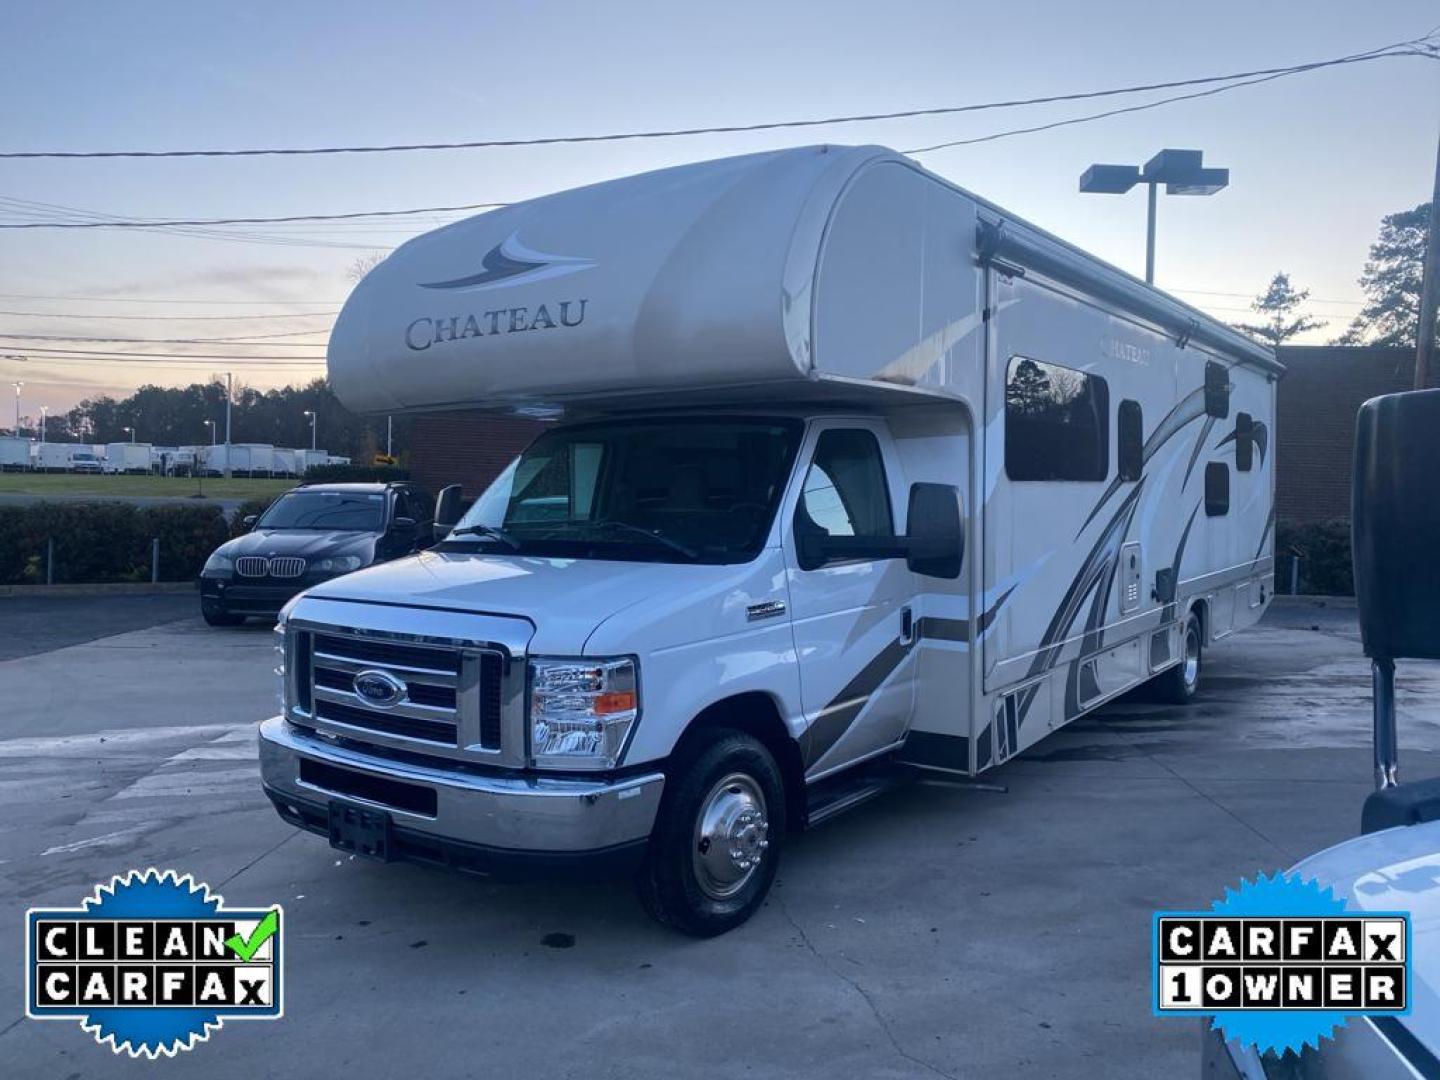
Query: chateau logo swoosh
column 511, row 261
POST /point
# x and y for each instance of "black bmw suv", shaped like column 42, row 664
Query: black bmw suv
column 311, row 533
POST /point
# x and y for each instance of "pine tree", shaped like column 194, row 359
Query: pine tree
column 1277, row 304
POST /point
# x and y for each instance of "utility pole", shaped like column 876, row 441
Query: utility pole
column 1425, row 333
column 229, row 385
column 389, row 436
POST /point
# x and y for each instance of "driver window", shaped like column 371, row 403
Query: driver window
column 845, row 493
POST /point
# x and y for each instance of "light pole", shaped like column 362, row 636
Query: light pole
column 129, row 431
column 211, row 425
column 1182, row 173
column 44, row 412
column 389, row 436
column 229, row 385
column 311, row 414
column 17, row 384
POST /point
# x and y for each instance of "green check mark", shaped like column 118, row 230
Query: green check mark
column 246, row 948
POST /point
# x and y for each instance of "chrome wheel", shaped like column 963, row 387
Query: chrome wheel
column 731, row 835
column 1192, row 656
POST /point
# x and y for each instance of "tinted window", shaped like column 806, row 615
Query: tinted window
column 1131, row 438
column 1244, row 442
column 1057, row 423
column 1217, row 390
column 1217, row 489
column 694, row 489
column 845, row 492
column 345, row 510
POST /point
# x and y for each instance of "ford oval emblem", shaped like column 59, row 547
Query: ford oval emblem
column 379, row 688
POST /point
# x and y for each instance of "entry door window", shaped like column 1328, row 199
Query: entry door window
column 845, row 493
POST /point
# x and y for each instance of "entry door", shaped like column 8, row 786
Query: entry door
column 853, row 626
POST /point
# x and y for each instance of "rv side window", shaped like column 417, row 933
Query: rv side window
column 1131, row 440
column 1244, row 444
column 1057, row 423
column 1217, row 390
column 1217, row 489
column 845, row 492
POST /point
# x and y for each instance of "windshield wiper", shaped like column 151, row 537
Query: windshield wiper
column 489, row 531
column 658, row 537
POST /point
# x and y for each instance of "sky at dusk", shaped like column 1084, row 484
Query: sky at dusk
column 1316, row 160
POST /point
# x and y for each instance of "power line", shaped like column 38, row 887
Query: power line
column 46, row 352
column 726, row 129
column 248, row 339
column 158, row 223
column 1252, row 296
column 1213, row 91
column 178, row 318
column 162, row 300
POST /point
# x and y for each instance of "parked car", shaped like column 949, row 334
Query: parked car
column 308, row 535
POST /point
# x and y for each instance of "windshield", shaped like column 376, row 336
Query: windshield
column 683, row 490
column 345, row 510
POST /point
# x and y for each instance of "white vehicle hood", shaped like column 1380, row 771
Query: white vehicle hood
column 1395, row 870
column 565, row 599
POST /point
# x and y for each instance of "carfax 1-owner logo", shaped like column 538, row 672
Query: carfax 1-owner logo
column 153, row 962
column 1280, row 963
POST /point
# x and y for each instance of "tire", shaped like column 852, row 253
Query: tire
column 720, row 782
column 1181, row 683
column 216, row 617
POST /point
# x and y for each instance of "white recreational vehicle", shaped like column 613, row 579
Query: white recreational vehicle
column 851, row 468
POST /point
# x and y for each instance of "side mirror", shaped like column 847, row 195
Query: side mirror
column 447, row 510
column 1395, row 523
column 935, row 531
column 249, row 520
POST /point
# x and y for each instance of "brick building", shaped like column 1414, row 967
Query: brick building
column 1322, row 388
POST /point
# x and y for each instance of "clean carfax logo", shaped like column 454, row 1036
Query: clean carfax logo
column 1281, row 962
column 152, row 963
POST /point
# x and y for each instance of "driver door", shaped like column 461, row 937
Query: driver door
column 853, row 625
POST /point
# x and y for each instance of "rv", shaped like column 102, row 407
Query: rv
column 14, row 454
column 852, row 474
column 127, row 457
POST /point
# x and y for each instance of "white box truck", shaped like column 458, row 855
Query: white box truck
column 52, row 457
column 127, row 457
column 14, row 454
column 853, row 474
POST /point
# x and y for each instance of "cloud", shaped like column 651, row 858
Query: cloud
column 285, row 281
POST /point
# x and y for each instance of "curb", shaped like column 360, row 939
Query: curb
column 1304, row 600
column 118, row 588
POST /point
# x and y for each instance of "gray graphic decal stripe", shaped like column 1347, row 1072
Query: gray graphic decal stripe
column 941, row 629
column 498, row 266
column 1094, row 638
column 1102, row 555
column 1190, row 407
column 1259, row 437
column 1199, row 445
column 835, row 718
column 1168, row 612
column 1265, row 534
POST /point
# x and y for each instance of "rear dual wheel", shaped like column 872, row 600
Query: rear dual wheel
column 1181, row 683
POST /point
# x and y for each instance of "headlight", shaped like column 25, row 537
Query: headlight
column 581, row 711
column 280, row 665
column 336, row 564
column 219, row 564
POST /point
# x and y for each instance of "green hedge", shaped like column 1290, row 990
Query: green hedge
column 1324, row 550
column 106, row 541
column 354, row 474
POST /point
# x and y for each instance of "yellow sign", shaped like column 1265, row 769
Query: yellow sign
column 385, row 459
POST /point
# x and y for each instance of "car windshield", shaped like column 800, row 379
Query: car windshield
column 357, row 511
column 683, row 490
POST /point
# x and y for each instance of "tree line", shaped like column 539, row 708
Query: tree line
column 176, row 416
column 1391, row 282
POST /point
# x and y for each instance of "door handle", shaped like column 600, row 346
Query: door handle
column 907, row 626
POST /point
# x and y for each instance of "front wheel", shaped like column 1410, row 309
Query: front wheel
column 716, row 843
column 1181, row 683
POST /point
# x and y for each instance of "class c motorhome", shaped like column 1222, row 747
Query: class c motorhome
column 849, row 468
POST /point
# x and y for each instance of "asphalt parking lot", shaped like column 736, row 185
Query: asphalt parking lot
column 943, row 930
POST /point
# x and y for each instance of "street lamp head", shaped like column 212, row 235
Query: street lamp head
column 1109, row 179
column 1183, row 173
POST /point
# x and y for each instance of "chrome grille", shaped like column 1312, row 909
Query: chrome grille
column 451, row 697
column 283, row 566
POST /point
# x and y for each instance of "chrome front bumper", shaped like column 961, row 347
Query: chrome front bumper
column 501, row 814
